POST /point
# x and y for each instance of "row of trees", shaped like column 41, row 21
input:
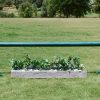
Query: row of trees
column 17, row 3
column 67, row 8
column 52, row 8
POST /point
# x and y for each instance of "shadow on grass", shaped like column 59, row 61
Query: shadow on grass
column 4, row 73
column 95, row 73
column 1, row 74
column 92, row 72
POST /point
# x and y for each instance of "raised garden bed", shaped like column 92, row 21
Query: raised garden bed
column 48, row 74
column 56, row 68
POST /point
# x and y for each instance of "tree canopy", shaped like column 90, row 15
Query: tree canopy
column 61, row 8
column 97, row 6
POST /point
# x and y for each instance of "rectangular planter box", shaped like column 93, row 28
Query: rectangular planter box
column 48, row 74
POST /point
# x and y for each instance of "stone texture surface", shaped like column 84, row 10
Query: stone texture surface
column 48, row 74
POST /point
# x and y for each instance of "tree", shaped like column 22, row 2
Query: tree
column 2, row 1
column 39, row 3
column 26, row 10
column 43, row 11
column 69, row 8
column 97, row 6
column 51, row 11
column 17, row 3
column 77, row 8
column 48, row 8
column 8, row 2
column 80, row 7
column 35, row 9
column 1, row 4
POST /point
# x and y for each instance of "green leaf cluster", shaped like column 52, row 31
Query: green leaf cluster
column 57, row 63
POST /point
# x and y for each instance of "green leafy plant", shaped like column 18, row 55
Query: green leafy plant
column 73, row 63
column 58, row 63
column 28, row 62
column 45, row 64
column 76, row 61
column 36, row 64
column 17, row 64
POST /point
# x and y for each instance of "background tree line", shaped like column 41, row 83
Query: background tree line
column 52, row 8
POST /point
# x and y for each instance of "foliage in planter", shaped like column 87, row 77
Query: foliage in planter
column 73, row 63
column 17, row 64
column 57, row 63
column 36, row 64
column 28, row 63
column 45, row 64
column 66, row 64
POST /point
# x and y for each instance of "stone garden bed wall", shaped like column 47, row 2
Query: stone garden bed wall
column 48, row 74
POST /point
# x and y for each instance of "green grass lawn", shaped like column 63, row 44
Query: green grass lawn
column 44, row 30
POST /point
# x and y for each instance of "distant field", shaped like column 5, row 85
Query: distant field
column 43, row 30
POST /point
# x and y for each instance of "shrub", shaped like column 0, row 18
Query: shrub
column 43, row 11
column 3, row 15
column 51, row 10
column 39, row 3
column 73, row 63
column 1, row 7
column 11, row 15
column 44, row 64
column 97, row 6
column 36, row 64
column 35, row 9
column 17, row 3
column 17, row 64
column 1, row 4
column 57, row 63
column 26, row 10
column 8, row 2
column 27, row 62
column 6, row 15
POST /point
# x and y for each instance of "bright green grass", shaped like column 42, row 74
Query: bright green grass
column 50, row 89
column 50, row 30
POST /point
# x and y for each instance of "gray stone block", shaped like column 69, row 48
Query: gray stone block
column 48, row 74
